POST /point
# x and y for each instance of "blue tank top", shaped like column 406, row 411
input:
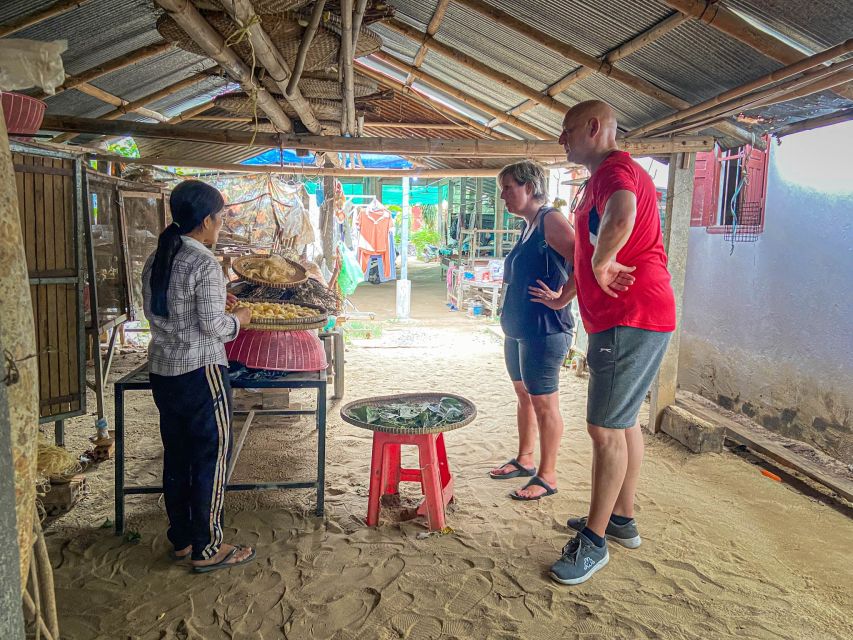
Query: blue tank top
column 531, row 260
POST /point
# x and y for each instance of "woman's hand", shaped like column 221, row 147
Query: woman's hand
column 230, row 300
column 545, row 295
column 613, row 276
column 243, row 315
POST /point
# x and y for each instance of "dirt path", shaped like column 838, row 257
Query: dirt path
column 727, row 553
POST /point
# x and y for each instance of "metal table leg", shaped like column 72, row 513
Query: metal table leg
column 338, row 344
column 119, row 479
column 321, row 448
column 232, row 462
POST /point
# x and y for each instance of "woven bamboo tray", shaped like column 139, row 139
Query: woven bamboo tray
column 317, row 321
column 469, row 412
column 239, row 265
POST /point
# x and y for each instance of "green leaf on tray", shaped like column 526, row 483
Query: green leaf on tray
column 412, row 415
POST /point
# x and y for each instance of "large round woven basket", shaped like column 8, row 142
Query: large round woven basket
column 241, row 104
column 284, row 32
column 260, row 6
column 326, row 86
column 469, row 412
column 239, row 267
column 297, row 324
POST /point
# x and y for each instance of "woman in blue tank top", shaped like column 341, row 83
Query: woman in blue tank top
column 537, row 325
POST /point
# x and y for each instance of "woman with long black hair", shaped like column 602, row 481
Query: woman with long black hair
column 185, row 299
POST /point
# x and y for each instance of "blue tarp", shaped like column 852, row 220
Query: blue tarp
column 288, row 156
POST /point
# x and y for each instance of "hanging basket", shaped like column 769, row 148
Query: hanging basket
column 283, row 30
column 241, row 104
column 326, row 86
column 260, row 6
column 23, row 114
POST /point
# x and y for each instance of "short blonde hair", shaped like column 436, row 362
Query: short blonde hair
column 527, row 172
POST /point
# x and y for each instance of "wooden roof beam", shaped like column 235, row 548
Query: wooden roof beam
column 636, row 43
column 192, row 112
column 213, row 44
column 465, row 98
column 138, row 55
column 718, row 16
column 791, row 70
column 545, row 151
column 440, row 108
column 475, row 65
column 431, row 30
column 31, row 19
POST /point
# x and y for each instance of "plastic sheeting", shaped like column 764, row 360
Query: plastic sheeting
column 260, row 206
column 28, row 63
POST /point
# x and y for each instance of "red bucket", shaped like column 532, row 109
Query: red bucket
column 23, row 114
column 278, row 350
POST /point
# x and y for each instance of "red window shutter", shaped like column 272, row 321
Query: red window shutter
column 755, row 191
column 705, row 183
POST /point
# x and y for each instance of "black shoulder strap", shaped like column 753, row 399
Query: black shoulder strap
column 560, row 268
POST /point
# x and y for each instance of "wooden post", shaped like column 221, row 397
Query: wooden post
column 679, row 199
column 499, row 220
column 478, row 202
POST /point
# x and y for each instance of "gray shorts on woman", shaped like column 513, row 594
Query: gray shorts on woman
column 623, row 362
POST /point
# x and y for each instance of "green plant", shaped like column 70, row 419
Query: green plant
column 124, row 147
column 424, row 237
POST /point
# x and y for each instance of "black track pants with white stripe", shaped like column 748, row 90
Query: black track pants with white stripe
column 195, row 425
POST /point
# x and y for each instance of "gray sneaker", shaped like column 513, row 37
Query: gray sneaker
column 625, row 534
column 580, row 559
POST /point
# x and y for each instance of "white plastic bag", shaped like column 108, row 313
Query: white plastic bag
column 29, row 63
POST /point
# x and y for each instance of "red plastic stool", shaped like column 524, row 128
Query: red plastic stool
column 434, row 474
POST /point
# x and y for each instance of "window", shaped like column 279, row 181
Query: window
column 729, row 191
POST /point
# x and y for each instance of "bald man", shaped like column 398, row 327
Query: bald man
column 628, row 309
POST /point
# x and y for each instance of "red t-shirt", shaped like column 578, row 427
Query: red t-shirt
column 649, row 303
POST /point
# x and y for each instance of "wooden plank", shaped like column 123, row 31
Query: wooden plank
column 51, row 309
column 28, row 217
column 64, row 247
column 72, row 342
column 772, row 449
column 42, row 169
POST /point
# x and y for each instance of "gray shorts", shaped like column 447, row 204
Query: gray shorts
column 623, row 363
column 537, row 361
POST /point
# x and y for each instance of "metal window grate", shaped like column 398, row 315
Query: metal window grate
column 746, row 223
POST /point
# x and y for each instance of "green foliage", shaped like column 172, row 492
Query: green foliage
column 412, row 415
column 124, row 147
column 423, row 237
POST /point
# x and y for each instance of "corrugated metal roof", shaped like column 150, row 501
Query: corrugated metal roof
column 692, row 62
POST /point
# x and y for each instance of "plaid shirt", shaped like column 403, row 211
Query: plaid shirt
column 194, row 334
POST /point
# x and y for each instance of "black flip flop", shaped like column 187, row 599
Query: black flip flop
column 224, row 564
column 519, row 471
column 539, row 482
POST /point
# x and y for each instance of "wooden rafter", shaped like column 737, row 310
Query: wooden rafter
column 815, row 123
column 242, row 12
column 791, row 70
column 138, row 55
column 546, row 151
column 639, row 41
column 192, row 112
column 716, row 15
column 431, row 30
column 346, row 70
column 31, row 19
column 475, row 65
column 305, row 44
column 463, row 97
column 212, row 43
column 438, row 107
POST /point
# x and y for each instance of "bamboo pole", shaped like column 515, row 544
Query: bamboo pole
column 475, row 65
column 157, row 95
column 192, row 112
column 815, row 123
column 724, row 20
column 357, row 19
column 747, row 88
column 636, row 43
column 741, row 100
column 190, row 20
column 347, row 81
column 464, row 98
column 432, row 29
column 450, row 126
column 573, row 53
column 429, row 102
column 34, row 18
column 307, row 38
column 242, row 12
column 400, row 146
column 71, row 82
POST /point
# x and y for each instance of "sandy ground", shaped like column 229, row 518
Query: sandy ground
column 727, row 553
